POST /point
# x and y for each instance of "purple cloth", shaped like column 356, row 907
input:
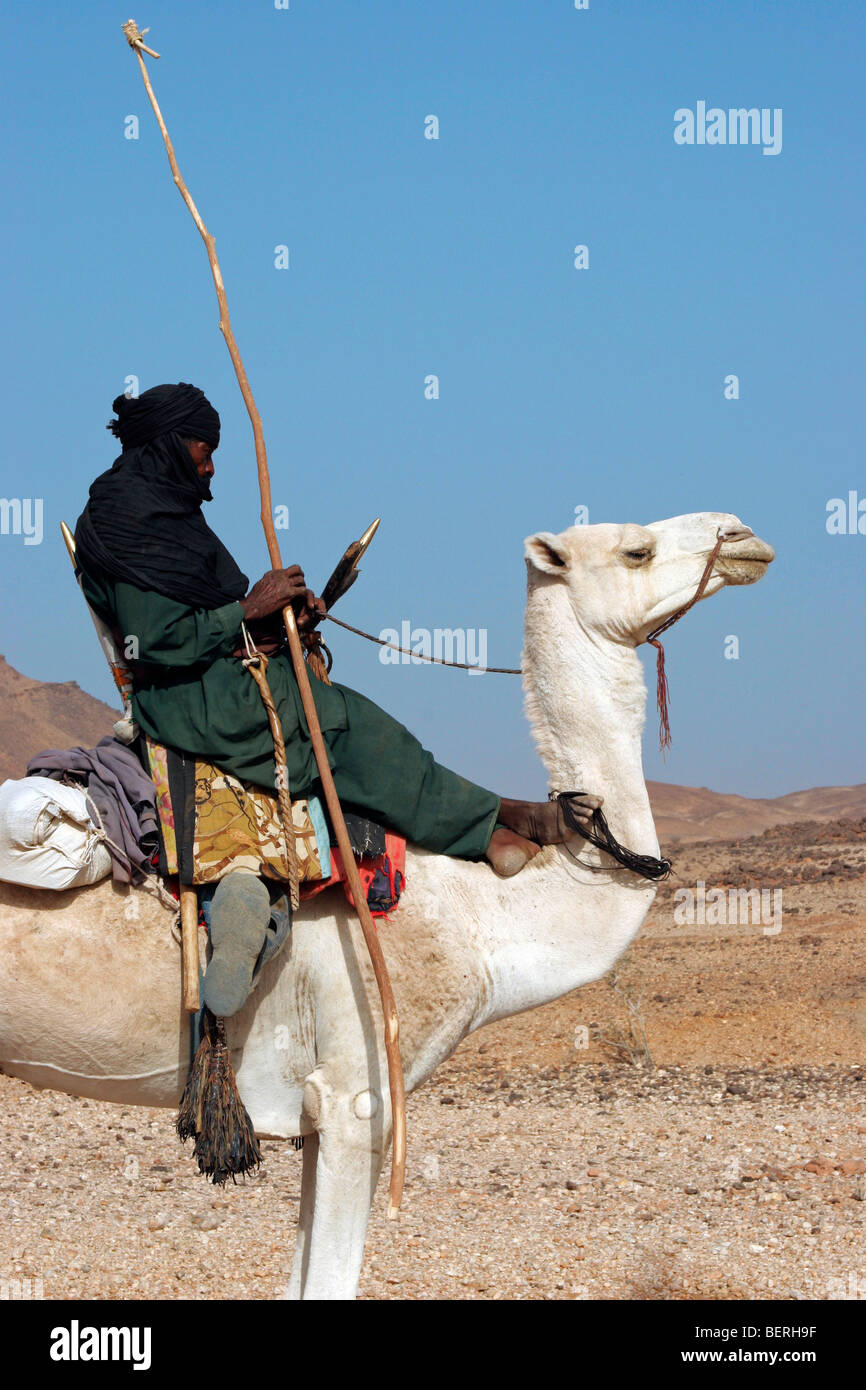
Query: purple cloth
column 121, row 791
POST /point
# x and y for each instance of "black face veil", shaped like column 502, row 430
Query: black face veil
column 143, row 523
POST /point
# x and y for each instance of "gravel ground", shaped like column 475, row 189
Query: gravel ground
column 549, row 1158
column 549, row 1183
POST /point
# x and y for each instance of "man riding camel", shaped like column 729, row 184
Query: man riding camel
column 152, row 567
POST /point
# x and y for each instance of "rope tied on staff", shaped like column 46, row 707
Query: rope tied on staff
column 257, row 664
column 134, row 37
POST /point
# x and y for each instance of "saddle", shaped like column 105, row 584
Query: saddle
column 212, row 823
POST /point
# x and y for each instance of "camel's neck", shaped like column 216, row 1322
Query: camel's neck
column 586, row 699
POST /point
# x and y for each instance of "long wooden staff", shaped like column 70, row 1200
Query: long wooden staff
column 134, row 37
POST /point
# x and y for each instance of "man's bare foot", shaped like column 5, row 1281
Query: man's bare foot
column 509, row 853
column 527, row 825
column 542, row 821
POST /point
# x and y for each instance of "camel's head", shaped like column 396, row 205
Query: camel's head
column 625, row 580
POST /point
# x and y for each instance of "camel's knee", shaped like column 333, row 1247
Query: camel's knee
column 366, row 1105
column 354, row 1111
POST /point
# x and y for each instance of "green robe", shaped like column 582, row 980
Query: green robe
column 198, row 698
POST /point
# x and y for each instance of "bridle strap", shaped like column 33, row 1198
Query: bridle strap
column 662, row 690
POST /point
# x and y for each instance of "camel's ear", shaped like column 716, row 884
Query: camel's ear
column 546, row 552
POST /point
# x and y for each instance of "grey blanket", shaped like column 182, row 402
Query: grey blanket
column 121, row 791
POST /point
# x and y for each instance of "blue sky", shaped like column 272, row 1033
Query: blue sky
column 408, row 257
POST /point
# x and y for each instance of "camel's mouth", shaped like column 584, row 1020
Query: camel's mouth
column 745, row 561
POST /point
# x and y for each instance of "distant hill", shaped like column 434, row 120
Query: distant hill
column 35, row 715
column 696, row 813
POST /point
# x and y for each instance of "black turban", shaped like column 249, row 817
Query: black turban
column 182, row 408
column 143, row 524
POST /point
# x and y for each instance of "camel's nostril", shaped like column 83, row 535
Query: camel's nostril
column 735, row 533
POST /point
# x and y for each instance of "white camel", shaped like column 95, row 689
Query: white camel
column 90, row 997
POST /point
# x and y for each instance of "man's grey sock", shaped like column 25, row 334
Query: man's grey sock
column 239, row 916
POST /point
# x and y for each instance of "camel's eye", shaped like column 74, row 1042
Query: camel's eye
column 637, row 557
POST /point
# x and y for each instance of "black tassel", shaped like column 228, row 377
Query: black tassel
column 212, row 1112
column 600, row 835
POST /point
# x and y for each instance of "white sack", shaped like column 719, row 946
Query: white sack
column 47, row 838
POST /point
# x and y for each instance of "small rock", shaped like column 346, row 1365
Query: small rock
column 206, row 1220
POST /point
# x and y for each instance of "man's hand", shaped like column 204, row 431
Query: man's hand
column 274, row 591
column 279, row 589
column 309, row 612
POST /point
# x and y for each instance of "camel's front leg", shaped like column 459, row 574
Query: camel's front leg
column 339, row 1184
column 305, row 1216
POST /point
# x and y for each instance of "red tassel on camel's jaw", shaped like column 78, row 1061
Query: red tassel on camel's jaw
column 662, row 695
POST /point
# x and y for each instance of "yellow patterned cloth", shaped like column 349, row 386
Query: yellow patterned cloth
column 237, row 826
column 157, row 755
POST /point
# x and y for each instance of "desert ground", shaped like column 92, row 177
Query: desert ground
column 691, row 1127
